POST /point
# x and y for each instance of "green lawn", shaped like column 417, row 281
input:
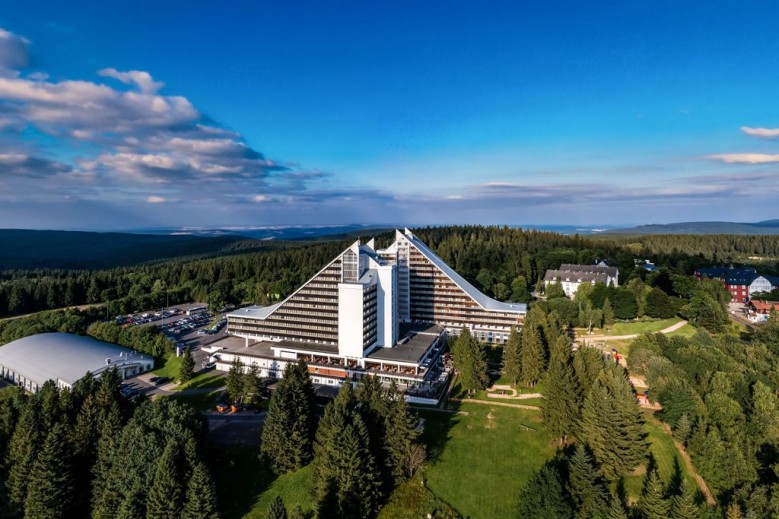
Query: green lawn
column 686, row 331
column 665, row 456
column 205, row 379
column 413, row 500
column 637, row 327
column 201, row 401
column 478, row 462
column 294, row 488
column 459, row 392
column 171, row 367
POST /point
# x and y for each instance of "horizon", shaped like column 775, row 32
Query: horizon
column 158, row 116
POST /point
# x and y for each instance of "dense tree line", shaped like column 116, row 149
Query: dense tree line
column 719, row 395
column 506, row 263
column 365, row 445
column 90, row 452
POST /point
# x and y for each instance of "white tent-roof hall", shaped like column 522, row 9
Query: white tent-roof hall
column 65, row 358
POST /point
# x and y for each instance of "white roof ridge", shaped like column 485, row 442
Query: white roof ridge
column 483, row 300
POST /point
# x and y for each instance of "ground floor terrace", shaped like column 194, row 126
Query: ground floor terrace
column 414, row 364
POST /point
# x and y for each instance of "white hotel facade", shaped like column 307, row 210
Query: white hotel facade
column 373, row 312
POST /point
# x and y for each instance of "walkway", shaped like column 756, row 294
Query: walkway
column 595, row 338
column 704, row 488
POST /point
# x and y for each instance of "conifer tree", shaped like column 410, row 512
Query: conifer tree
column 234, row 383
column 200, row 502
column 612, row 424
column 104, row 495
column 653, row 504
column 51, row 479
column 543, row 497
column 164, row 498
column 277, row 510
column 765, row 414
column 345, row 478
column 22, row 451
column 587, row 491
column 512, row 366
column 532, row 354
column 683, row 505
column 682, row 430
column 470, row 361
column 187, row 367
column 288, row 432
column 616, row 509
column 733, row 511
column 562, row 398
column 404, row 454
column 608, row 314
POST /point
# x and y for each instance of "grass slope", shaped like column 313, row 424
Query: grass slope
column 665, row 456
column 479, row 461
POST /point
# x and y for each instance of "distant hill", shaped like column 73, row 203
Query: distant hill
column 26, row 249
column 765, row 227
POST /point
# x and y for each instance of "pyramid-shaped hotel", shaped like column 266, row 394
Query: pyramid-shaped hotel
column 373, row 312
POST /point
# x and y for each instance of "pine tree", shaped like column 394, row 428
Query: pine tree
column 277, row 509
column 404, row 453
column 682, row 430
column 765, row 414
column 532, row 355
column 104, row 496
column 187, row 367
column 234, row 383
column 562, row 398
column 653, row 504
column 683, row 505
column 288, row 432
column 22, row 451
column 470, row 361
column 608, row 314
column 164, row 498
column 612, row 424
column 200, row 502
column 616, row 510
column 543, row 497
column 345, row 477
column 587, row 491
column 51, row 479
column 733, row 511
column 512, row 366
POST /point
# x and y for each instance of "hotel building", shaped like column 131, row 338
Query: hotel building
column 380, row 312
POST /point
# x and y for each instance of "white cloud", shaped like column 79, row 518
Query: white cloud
column 765, row 133
column 139, row 78
column 13, row 51
column 156, row 200
column 260, row 198
column 746, row 158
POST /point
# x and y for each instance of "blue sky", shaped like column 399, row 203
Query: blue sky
column 148, row 114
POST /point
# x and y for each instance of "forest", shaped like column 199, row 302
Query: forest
column 91, row 452
column 505, row 263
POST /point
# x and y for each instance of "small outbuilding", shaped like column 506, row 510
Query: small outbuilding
column 65, row 358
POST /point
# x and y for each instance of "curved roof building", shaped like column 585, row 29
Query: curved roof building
column 65, row 358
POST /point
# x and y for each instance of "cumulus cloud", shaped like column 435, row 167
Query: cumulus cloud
column 13, row 51
column 765, row 133
column 131, row 140
column 746, row 158
column 139, row 78
column 156, row 199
